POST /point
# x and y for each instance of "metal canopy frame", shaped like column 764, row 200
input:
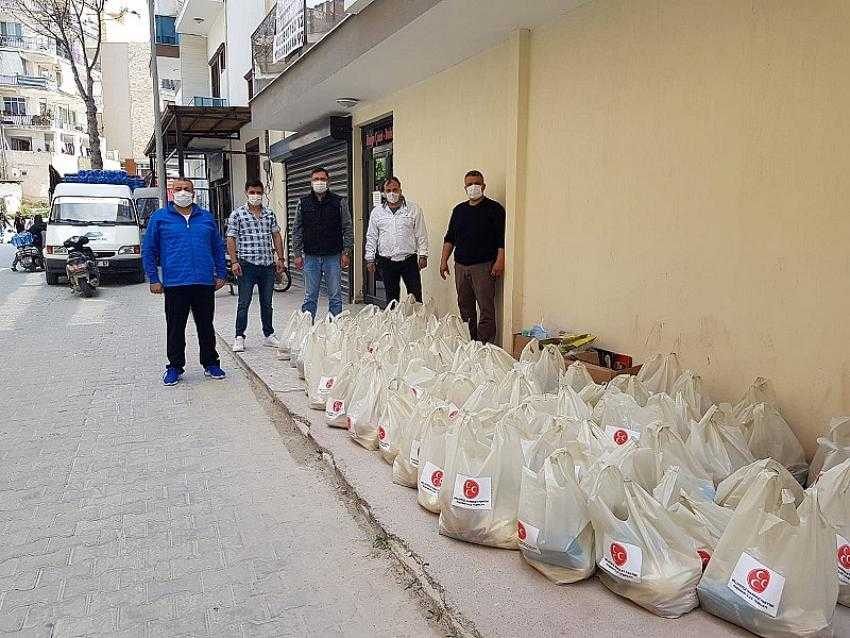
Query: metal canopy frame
column 181, row 125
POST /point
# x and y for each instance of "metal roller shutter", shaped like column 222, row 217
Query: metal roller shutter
column 335, row 158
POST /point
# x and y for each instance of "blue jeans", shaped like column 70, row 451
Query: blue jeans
column 315, row 267
column 263, row 277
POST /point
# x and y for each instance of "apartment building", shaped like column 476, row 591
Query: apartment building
column 206, row 128
column 43, row 118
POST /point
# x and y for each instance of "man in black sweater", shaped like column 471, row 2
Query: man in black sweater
column 476, row 236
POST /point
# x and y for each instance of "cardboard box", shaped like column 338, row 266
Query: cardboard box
column 591, row 358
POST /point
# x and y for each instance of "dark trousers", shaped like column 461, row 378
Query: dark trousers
column 392, row 272
column 476, row 286
column 200, row 300
column 263, row 277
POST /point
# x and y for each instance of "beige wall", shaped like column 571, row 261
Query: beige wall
column 443, row 127
column 683, row 186
column 692, row 159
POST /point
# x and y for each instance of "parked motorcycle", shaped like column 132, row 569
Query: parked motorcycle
column 82, row 271
column 28, row 256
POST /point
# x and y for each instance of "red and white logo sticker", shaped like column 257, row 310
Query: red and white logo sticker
column 842, row 557
column 704, row 556
column 528, row 535
column 623, row 560
column 621, row 436
column 431, row 478
column 383, row 439
column 757, row 584
column 335, row 408
column 472, row 492
column 326, row 383
column 454, row 411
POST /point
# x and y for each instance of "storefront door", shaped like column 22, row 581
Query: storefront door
column 377, row 167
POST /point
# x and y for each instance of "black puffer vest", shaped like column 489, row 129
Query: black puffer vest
column 321, row 223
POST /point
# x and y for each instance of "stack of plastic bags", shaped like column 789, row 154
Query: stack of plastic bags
column 672, row 499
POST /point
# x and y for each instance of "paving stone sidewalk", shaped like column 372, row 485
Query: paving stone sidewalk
column 131, row 509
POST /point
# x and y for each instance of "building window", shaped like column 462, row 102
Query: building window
column 165, row 30
column 11, row 31
column 20, row 143
column 48, row 142
column 67, row 145
column 14, row 106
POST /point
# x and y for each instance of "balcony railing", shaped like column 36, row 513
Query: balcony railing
column 197, row 100
column 30, row 43
column 39, row 121
column 319, row 20
column 28, row 81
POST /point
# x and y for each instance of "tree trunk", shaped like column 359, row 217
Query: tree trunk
column 93, row 129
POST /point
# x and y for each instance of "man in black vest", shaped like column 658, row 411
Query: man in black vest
column 322, row 238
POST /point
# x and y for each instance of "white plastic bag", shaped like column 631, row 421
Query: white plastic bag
column 432, row 459
column 289, row 328
column 642, row 554
column 718, row 443
column 631, row 385
column 480, row 493
column 689, row 387
column 770, row 436
column 833, row 489
column 674, row 412
column 622, row 419
column 663, row 439
column 396, row 415
column 363, row 411
column 576, row 377
column 543, row 365
column 732, row 490
column 833, row 449
column 553, row 526
column 660, row 373
column 409, row 440
column 759, row 391
column 339, row 397
column 773, row 571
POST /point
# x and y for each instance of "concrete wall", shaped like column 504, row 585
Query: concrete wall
column 243, row 18
column 194, row 70
column 35, row 173
column 675, row 175
column 117, row 99
column 141, row 114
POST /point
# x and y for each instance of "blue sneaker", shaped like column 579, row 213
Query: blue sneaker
column 172, row 376
column 214, row 372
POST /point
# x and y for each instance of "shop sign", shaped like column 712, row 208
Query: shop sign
column 289, row 33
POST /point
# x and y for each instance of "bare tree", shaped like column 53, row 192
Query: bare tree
column 76, row 26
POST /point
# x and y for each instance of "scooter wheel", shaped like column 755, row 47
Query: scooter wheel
column 86, row 289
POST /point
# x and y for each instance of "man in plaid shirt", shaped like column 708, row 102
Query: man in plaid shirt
column 256, row 254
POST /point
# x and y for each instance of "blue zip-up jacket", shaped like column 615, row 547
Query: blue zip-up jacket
column 191, row 252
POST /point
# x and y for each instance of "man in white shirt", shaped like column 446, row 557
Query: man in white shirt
column 397, row 242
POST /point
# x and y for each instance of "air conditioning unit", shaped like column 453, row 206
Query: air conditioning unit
column 356, row 6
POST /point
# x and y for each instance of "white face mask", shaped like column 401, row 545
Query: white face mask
column 320, row 186
column 392, row 197
column 475, row 191
column 255, row 200
column 183, row 198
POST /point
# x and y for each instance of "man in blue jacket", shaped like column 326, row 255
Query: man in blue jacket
column 184, row 240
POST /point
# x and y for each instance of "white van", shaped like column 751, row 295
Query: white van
column 147, row 203
column 104, row 213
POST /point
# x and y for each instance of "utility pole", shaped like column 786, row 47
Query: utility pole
column 157, row 113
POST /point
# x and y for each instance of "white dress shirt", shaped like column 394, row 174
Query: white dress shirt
column 396, row 235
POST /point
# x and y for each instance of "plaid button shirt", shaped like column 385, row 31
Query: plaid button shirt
column 253, row 235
